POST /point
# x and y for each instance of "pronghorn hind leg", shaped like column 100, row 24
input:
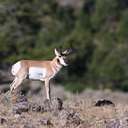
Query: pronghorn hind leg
column 21, row 75
column 16, row 83
column 13, row 82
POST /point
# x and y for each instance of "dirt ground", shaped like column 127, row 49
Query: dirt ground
column 76, row 110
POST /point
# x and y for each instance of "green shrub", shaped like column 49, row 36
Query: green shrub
column 74, row 87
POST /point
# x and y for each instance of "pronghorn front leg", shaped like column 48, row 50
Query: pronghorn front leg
column 47, row 88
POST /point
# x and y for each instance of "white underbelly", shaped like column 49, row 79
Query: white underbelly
column 37, row 73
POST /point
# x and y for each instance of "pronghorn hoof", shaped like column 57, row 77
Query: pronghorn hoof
column 47, row 105
column 53, row 104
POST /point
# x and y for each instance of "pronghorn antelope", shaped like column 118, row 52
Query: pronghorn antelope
column 39, row 70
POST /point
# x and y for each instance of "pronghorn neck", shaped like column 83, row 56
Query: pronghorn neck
column 56, row 65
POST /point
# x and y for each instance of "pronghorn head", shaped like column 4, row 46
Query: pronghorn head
column 62, row 56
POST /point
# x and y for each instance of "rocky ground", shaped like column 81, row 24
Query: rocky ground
column 90, row 109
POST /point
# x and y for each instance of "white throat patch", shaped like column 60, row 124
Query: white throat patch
column 37, row 73
column 62, row 62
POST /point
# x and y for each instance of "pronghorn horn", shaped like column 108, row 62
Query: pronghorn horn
column 68, row 51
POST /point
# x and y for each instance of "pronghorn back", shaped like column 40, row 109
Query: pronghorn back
column 33, row 68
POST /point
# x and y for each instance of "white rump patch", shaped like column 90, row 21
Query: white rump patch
column 37, row 73
column 15, row 68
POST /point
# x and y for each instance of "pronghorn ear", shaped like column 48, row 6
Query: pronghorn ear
column 56, row 52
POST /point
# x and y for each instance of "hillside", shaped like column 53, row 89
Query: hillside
column 78, row 111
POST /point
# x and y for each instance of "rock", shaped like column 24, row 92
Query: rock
column 36, row 107
column 57, row 104
column 20, row 105
column 21, row 99
column 28, row 125
column 84, row 125
column 45, row 121
column 69, row 118
column 18, row 108
column 2, row 120
column 115, row 123
column 104, row 102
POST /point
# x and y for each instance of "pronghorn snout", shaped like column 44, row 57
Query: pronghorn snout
column 66, row 61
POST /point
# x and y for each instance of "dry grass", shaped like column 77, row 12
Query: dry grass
column 79, row 112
